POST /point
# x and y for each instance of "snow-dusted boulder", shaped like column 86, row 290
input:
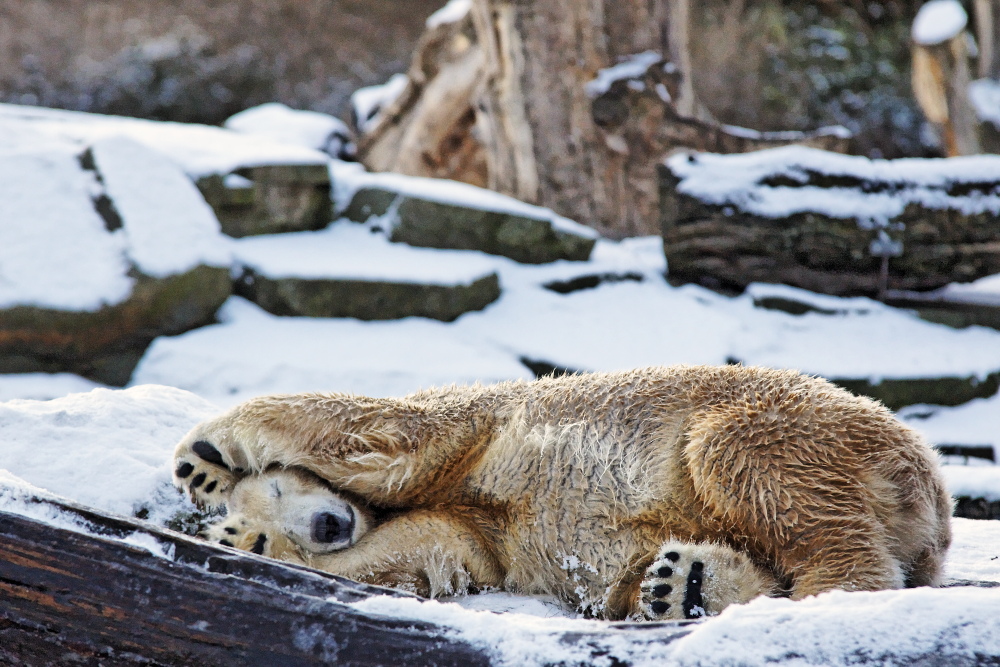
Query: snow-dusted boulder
column 270, row 199
column 310, row 129
column 257, row 183
column 99, row 254
column 823, row 221
column 436, row 213
column 347, row 271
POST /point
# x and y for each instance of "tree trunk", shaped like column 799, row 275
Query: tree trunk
column 553, row 125
column 987, row 14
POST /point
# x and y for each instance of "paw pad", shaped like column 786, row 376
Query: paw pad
column 672, row 587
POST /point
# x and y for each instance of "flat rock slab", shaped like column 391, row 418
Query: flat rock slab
column 444, row 214
column 823, row 221
column 350, row 270
column 101, row 252
column 270, row 199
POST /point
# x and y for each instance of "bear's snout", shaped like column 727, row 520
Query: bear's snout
column 329, row 528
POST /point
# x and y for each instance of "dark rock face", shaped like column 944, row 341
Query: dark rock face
column 366, row 300
column 270, row 199
column 725, row 244
column 105, row 345
column 432, row 224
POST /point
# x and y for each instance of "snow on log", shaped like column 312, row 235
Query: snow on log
column 821, row 221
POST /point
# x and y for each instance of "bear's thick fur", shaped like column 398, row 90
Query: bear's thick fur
column 665, row 492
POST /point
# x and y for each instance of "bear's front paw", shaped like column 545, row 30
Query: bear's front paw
column 237, row 532
column 201, row 471
column 693, row 580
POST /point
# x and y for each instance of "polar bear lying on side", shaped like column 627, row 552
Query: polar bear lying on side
column 660, row 493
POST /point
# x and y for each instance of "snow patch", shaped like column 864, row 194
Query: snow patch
column 276, row 121
column 367, row 103
column 200, row 150
column 632, row 67
column 738, row 180
column 938, row 21
column 985, row 97
column 454, row 11
column 55, row 251
column 169, row 227
column 350, row 251
column 109, row 449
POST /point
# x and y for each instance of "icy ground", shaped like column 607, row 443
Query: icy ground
column 111, row 449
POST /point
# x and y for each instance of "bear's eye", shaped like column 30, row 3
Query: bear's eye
column 275, row 489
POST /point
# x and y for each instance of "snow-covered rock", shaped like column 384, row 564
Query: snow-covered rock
column 255, row 183
column 822, row 221
column 310, row 129
column 100, row 252
column 350, row 270
column 445, row 214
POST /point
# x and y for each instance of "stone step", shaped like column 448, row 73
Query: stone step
column 443, row 214
column 270, row 199
column 349, row 271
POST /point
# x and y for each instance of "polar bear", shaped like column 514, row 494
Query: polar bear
column 660, row 493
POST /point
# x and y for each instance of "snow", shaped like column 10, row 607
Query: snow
column 938, row 21
column 985, row 97
column 200, row 150
column 309, row 129
column 736, row 180
column 43, row 386
column 835, row 628
column 252, row 352
column 54, row 249
column 109, row 449
column 369, row 102
column 349, row 251
column 632, row 67
column 349, row 178
column 168, row 226
column 454, row 11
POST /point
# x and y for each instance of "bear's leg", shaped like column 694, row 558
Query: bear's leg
column 391, row 452
column 430, row 553
column 691, row 580
column 848, row 555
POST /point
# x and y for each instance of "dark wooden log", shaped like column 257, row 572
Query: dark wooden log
column 73, row 598
column 721, row 245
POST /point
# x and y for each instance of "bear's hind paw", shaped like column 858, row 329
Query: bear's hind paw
column 688, row 581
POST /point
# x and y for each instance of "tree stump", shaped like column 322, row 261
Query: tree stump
column 565, row 105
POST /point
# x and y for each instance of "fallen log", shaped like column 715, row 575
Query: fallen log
column 72, row 598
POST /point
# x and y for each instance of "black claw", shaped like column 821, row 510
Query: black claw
column 198, row 480
column 207, row 452
column 184, row 469
column 258, row 546
column 226, row 542
column 665, row 572
column 659, row 607
column 672, row 556
column 662, row 590
column 693, row 604
column 211, row 486
column 230, row 530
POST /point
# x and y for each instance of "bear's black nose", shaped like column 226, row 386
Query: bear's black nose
column 328, row 527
